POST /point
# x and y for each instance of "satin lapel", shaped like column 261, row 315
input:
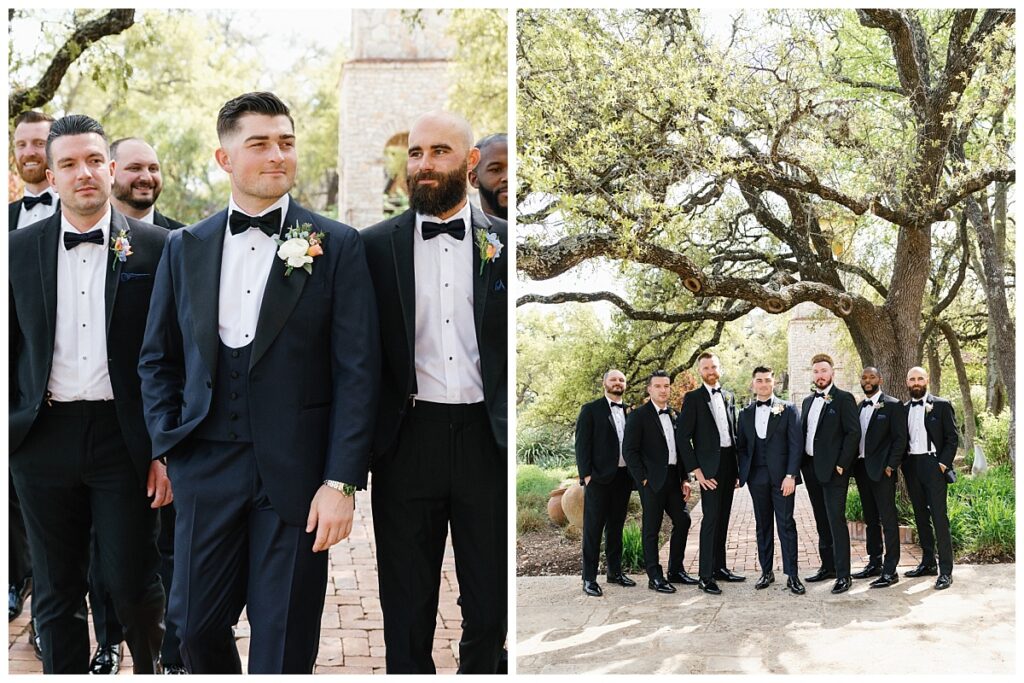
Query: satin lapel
column 115, row 266
column 282, row 292
column 657, row 422
column 405, row 275
column 481, row 282
column 203, row 247
column 773, row 421
column 49, row 240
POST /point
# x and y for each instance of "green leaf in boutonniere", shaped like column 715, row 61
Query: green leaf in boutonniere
column 490, row 247
column 122, row 248
column 299, row 247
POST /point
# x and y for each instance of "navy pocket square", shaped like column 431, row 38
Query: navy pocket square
column 128, row 277
column 881, row 416
column 499, row 286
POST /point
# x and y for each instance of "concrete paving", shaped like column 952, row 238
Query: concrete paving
column 909, row 628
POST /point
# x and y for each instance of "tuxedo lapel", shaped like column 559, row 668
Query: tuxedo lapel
column 773, row 420
column 13, row 214
column 481, row 281
column 203, row 247
column 49, row 240
column 282, row 292
column 113, row 273
column 405, row 275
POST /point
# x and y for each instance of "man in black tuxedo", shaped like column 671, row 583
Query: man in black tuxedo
column 883, row 442
column 606, row 481
column 259, row 376
column 490, row 176
column 138, row 182
column 440, row 446
column 31, row 129
column 768, row 441
column 80, row 285
column 706, row 436
column 649, row 450
column 831, row 434
column 932, row 441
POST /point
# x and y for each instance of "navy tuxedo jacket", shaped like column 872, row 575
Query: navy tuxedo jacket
column 33, row 314
column 885, row 441
column 697, row 438
column 597, row 442
column 837, row 438
column 314, row 363
column 783, row 442
column 389, row 250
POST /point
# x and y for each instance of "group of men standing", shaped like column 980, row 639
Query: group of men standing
column 770, row 447
column 252, row 369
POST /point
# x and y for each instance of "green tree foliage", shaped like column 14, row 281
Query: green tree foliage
column 480, row 68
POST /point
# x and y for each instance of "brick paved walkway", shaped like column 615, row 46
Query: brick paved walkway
column 741, row 545
column 351, row 635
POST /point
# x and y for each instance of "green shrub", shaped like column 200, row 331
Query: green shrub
column 546, row 447
column 994, row 433
column 632, row 549
column 854, row 507
column 982, row 513
column 530, row 519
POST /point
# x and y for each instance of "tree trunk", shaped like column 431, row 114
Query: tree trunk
column 965, row 384
column 934, row 365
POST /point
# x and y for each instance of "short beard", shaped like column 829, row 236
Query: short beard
column 918, row 392
column 615, row 392
column 32, row 177
column 871, row 391
column 124, row 194
column 435, row 201
column 491, row 196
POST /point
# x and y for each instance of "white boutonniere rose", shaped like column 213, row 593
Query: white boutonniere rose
column 777, row 408
column 300, row 246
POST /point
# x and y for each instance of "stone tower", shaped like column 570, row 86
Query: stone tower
column 398, row 71
column 813, row 330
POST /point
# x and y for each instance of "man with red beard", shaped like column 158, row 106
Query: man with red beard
column 138, row 182
column 40, row 201
column 490, row 176
column 439, row 451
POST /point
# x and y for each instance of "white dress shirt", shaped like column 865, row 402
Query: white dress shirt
column 761, row 415
column 244, row 269
column 447, row 354
column 670, row 433
column 149, row 217
column 79, row 371
column 39, row 211
column 813, row 414
column 619, row 418
column 919, row 442
column 865, row 417
column 721, row 416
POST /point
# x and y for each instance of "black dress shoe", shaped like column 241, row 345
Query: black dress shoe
column 726, row 575
column 821, row 575
column 885, row 580
column 591, row 588
column 767, row 579
column 868, row 571
column 842, row 585
column 16, row 598
column 793, row 584
column 922, row 570
column 661, row 585
column 943, row 582
column 681, row 577
column 709, row 586
column 106, row 661
column 622, row 580
column 171, row 669
column 33, row 637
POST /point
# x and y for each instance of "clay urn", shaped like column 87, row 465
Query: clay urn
column 572, row 504
column 555, row 511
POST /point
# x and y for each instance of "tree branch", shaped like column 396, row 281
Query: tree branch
column 631, row 312
column 968, row 187
column 911, row 59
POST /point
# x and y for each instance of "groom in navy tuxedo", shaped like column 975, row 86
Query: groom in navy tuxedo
column 259, row 377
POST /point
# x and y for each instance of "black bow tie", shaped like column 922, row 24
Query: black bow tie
column 30, row 202
column 764, row 403
column 269, row 223
column 663, row 411
column 455, row 228
column 716, row 391
column 73, row 239
column 618, row 405
column 917, row 403
column 866, row 403
column 820, row 394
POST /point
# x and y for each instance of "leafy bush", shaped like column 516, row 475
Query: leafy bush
column 854, row 507
column 533, row 488
column 994, row 433
column 529, row 519
column 982, row 513
column 546, row 447
column 632, row 549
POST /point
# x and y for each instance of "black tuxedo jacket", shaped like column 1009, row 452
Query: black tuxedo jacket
column 389, row 250
column 940, row 422
column 837, row 438
column 597, row 442
column 645, row 448
column 697, row 438
column 14, row 212
column 314, row 363
column 33, row 313
column 165, row 222
column 782, row 437
column 885, row 442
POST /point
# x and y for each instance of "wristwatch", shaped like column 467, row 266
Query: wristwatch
column 346, row 489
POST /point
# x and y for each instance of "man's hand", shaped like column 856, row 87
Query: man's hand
column 839, row 469
column 705, row 484
column 330, row 514
column 586, row 480
column 788, row 486
column 687, row 490
column 158, row 486
column 942, row 467
column 888, row 471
